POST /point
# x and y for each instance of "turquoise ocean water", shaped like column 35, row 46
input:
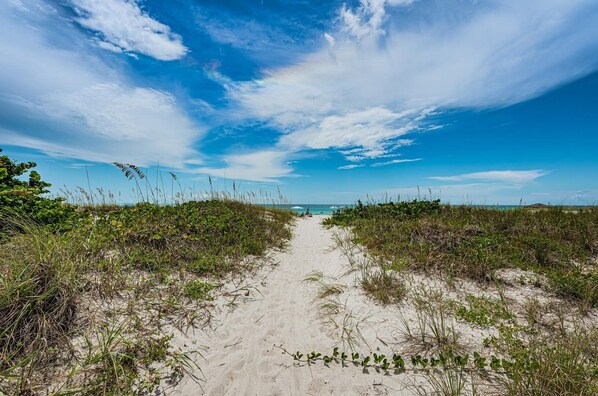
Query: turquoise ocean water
column 327, row 209
column 324, row 209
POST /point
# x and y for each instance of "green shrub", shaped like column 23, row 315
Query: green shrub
column 24, row 198
column 389, row 210
column 563, row 364
column 482, row 311
column 39, row 290
column 202, row 237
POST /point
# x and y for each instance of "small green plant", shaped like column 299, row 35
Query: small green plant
column 198, row 290
column 384, row 286
column 482, row 311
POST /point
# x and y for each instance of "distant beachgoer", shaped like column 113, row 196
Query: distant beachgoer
column 307, row 213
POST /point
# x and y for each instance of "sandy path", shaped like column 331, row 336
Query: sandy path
column 240, row 357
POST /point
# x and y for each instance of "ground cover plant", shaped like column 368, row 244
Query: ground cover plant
column 85, row 298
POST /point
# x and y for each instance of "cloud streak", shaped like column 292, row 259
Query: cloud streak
column 507, row 176
column 395, row 161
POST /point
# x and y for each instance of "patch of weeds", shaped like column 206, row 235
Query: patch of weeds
column 482, row 311
column 198, row 290
column 206, row 264
column 582, row 286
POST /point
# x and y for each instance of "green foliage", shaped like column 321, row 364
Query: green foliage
column 38, row 296
column 206, row 238
column 555, row 364
column 482, row 311
column 198, row 290
column 448, row 360
column 23, row 198
column 389, row 210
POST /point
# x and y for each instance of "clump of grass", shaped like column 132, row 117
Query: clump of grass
column 385, row 287
column 434, row 329
column 39, row 291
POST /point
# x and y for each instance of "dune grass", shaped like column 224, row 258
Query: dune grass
column 81, row 310
column 472, row 242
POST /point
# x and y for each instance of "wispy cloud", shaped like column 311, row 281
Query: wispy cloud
column 395, row 161
column 263, row 166
column 350, row 166
column 506, row 176
column 122, row 25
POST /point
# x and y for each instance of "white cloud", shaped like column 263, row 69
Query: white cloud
column 63, row 100
column 368, row 130
column 508, row 176
column 388, row 75
column 368, row 18
column 124, row 25
column 395, row 161
column 263, row 166
column 351, row 166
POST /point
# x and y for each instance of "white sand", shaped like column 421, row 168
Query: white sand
column 240, row 357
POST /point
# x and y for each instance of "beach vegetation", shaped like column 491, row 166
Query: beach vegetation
column 474, row 242
column 536, row 348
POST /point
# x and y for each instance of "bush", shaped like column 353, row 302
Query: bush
column 390, row 210
column 24, row 198
column 39, row 290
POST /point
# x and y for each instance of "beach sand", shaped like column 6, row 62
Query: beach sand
column 240, row 357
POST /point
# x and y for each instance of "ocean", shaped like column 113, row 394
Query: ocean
column 327, row 209
column 324, row 209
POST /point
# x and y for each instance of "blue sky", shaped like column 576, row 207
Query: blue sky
column 329, row 101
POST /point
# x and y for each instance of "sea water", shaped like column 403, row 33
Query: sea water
column 317, row 209
column 328, row 209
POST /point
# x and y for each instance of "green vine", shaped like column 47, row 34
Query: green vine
column 397, row 363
